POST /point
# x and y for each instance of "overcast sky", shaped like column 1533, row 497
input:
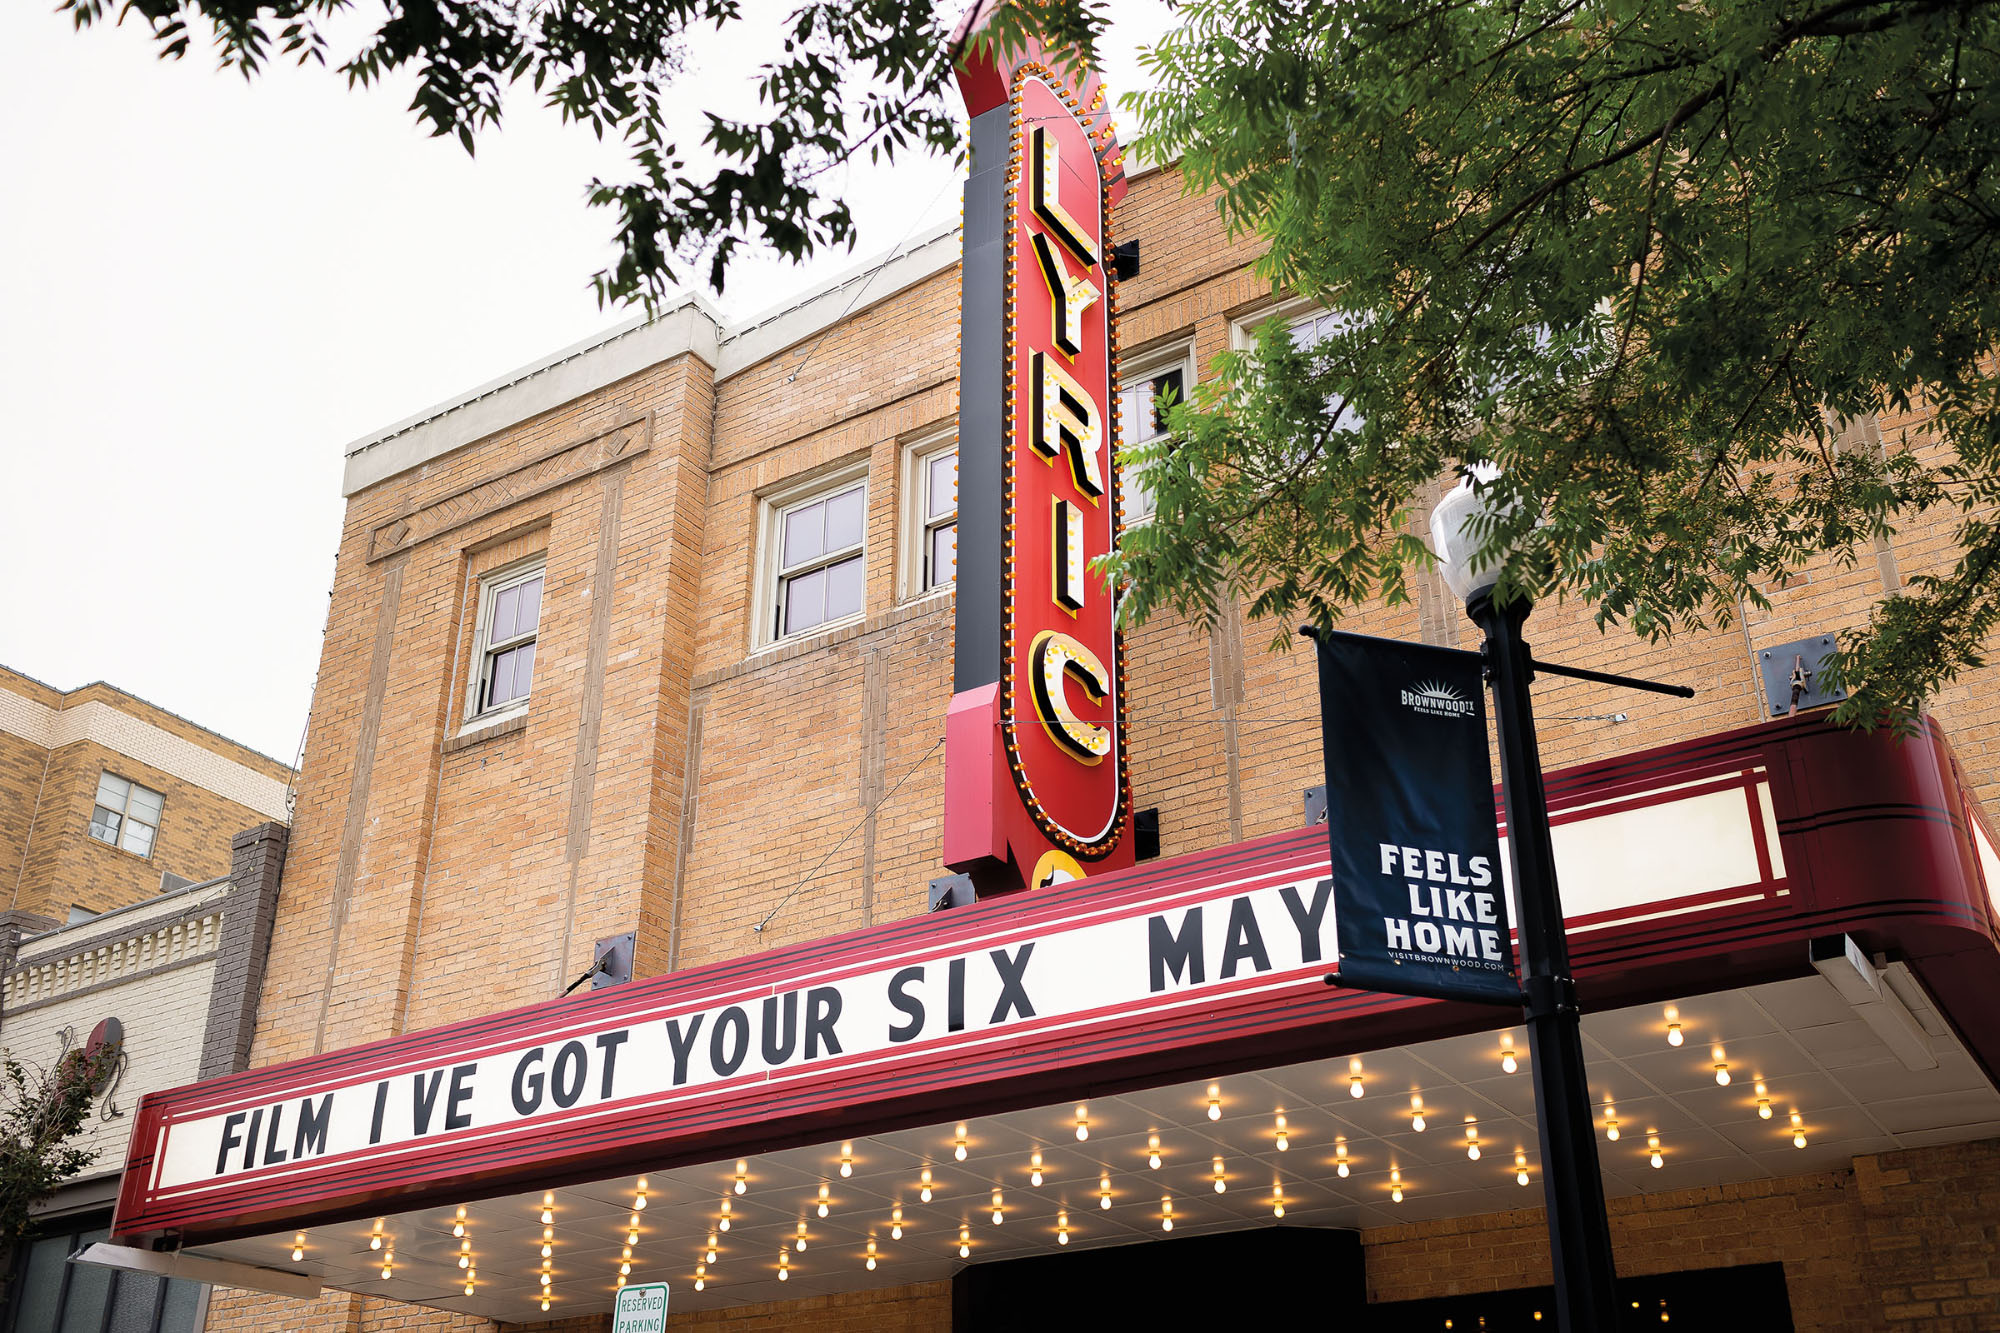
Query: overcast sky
column 208, row 289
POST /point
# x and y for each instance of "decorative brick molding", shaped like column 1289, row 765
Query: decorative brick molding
column 546, row 471
column 256, row 863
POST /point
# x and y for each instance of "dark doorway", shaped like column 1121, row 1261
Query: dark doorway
column 1206, row 1282
column 1750, row 1296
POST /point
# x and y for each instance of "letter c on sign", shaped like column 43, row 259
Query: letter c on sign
column 1054, row 660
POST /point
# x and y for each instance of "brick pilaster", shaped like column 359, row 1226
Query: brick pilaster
column 256, row 863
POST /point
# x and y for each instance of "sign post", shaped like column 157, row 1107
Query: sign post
column 641, row 1308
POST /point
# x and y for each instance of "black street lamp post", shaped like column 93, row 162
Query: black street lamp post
column 1572, row 1183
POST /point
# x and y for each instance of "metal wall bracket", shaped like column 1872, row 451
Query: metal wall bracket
column 614, row 960
column 1316, row 804
column 1791, row 671
column 952, row 891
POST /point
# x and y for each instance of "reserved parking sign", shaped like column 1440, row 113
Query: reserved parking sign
column 641, row 1309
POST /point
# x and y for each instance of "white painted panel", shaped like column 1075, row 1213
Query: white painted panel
column 1690, row 846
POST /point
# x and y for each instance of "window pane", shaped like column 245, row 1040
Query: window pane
column 111, row 791
column 845, row 515
column 145, row 805
column 502, row 627
column 512, row 670
column 529, row 615
column 524, row 669
column 41, row 1286
column 137, row 838
column 805, row 601
column 182, row 1298
column 944, row 556
column 843, row 588
column 104, row 825
column 805, row 533
column 941, row 490
column 89, row 1288
column 134, row 1302
column 1138, row 497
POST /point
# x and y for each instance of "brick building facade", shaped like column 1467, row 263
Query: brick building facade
column 580, row 680
column 67, row 758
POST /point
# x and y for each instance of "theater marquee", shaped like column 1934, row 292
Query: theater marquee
column 1037, row 789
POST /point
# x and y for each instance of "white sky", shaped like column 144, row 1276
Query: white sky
column 208, row 289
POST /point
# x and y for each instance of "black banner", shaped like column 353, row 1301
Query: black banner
column 1418, row 902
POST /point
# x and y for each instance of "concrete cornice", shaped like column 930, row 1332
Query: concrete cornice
column 693, row 326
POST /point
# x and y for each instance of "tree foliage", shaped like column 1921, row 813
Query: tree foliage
column 846, row 79
column 40, row 1111
column 1648, row 256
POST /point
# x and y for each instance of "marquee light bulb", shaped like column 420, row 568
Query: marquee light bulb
column 725, row 1213
column 871, row 1255
column 1283, row 1134
column 1472, row 1140
column 1340, row 1157
column 958, row 1147
column 1798, row 1130
column 846, row 1160
column 548, row 1279
column 388, row 1265
column 924, row 1186
column 800, row 1243
column 998, row 1215
column 1653, row 1145
column 1763, row 1101
column 375, row 1237
column 1104, row 1191
column 1610, row 1121
column 701, row 1283
column 1062, row 1228
column 458, row 1224
column 1082, row 1123
column 1674, row 1037
column 896, row 1223
column 299, row 1246
column 468, row 1288
column 1166, row 1213
column 1153, row 1151
column 742, row 1170
column 1507, row 1062
column 1520, row 1167
column 784, row 1265
column 545, row 1300
column 965, row 1242
column 624, row 1268
column 1395, row 1184
column 823, row 1203
column 1416, row 1113
column 1214, row 1102
column 1722, row 1074
column 1035, row 1169
column 1221, row 1184
column 710, row 1253
column 1277, row 1200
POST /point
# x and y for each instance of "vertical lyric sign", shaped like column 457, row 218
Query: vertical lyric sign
column 1037, row 790
column 1419, row 904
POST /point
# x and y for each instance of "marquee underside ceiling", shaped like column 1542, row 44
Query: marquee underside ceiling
column 1800, row 1038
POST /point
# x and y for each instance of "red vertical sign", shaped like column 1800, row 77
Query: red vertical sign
column 1037, row 782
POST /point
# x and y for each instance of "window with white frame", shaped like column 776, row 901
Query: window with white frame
column 126, row 815
column 818, row 542
column 510, row 618
column 933, row 531
column 1144, row 393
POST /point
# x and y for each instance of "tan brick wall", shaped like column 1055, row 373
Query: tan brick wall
column 65, row 867
column 1903, row 1242
column 48, row 861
